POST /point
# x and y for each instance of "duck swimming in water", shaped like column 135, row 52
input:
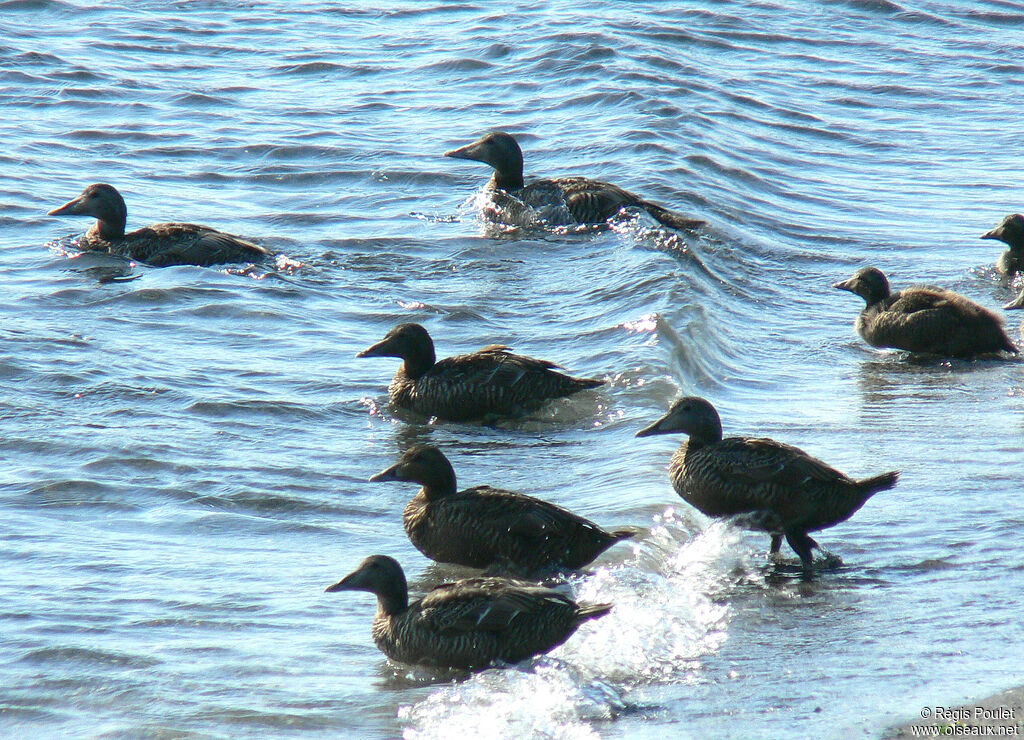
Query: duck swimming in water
column 488, row 383
column 929, row 320
column 556, row 201
column 159, row 245
column 1010, row 231
column 776, row 488
column 484, row 527
column 469, row 624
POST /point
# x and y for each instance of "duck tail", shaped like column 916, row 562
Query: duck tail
column 592, row 611
column 622, row 534
column 583, row 384
column 882, row 482
column 670, row 218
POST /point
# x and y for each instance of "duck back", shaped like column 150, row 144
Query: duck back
column 777, row 486
column 479, row 621
column 491, row 382
column 163, row 245
column 485, row 527
column 932, row 320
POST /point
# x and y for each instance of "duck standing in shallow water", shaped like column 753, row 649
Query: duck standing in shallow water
column 776, row 487
column 929, row 320
column 159, row 245
column 491, row 382
column 556, row 201
column 484, row 527
column 469, row 624
column 1010, row 231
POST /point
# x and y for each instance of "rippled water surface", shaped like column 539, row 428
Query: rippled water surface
column 186, row 449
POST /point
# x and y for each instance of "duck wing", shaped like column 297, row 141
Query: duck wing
column 591, row 201
column 495, row 365
column 581, row 200
column 751, row 461
column 167, row 244
column 521, row 515
column 484, row 604
column 939, row 321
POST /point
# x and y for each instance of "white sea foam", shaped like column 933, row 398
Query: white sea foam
column 666, row 619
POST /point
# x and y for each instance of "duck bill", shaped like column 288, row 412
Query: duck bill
column 655, row 428
column 470, row 151
column 392, row 473
column 845, row 285
column 996, row 233
column 380, row 349
column 71, row 208
column 351, row 582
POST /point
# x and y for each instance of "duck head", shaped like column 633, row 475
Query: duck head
column 381, row 576
column 1010, row 231
column 102, row 202
column 869, row 283
column 691, row 415
column 426, row 465
column 409, row 342
column 501, row 152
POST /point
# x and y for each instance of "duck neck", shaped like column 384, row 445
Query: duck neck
column 507, row 179
column 111, row 218
column 107, row 230
column 706, row 434
column 419, row 359
column 441, row 484
column 876, row 296
column 393, row 598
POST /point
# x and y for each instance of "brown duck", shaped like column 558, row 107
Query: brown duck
column 1010, row 231
column 928, row 320
column 557, row 201
column 469, row 624
column 490, row 383
column 769, row 486
column 159, row 245
column 484, row 527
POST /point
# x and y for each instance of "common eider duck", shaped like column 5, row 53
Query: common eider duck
column 159, row 245
column 929, row 320
column 1010, row 231
column 489, row 383
column 485, row 527
column 469, row 624
column 557, row 201
column 767, row 485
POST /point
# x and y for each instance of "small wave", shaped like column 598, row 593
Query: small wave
column 86, row 656
column 457, row 65
column 307, row 68
column 231, row 409
column 35, row 5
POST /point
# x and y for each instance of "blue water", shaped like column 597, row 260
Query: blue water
column 186, row 449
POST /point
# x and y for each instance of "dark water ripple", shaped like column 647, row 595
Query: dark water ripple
column 187, row 449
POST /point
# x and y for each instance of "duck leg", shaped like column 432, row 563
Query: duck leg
column 802, row 545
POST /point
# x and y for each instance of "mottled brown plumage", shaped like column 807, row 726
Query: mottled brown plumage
column 928, row 320
column 484, row 527
column 486, row 384
column 469, row 624
column 555, row 201
column 1010, row 231
column 159, row 245
column 770, row 486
